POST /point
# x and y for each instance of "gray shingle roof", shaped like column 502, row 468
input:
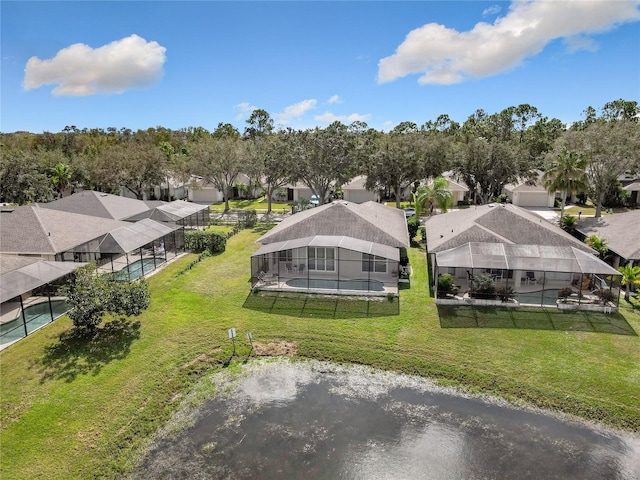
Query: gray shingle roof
column 504, row 223
column 33, row 230
column 98, row 204
column 170, row 212
column 368, row 221
column 621, row 232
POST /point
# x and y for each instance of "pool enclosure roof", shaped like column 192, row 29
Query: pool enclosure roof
column 135, row 235
column 28, row 277
column 348, row 243
column 544, row 258
column 171, row 212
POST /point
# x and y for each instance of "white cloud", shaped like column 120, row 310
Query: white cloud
column 330, row 118
column 446, row 56
column 492, row 10
column 334, row 99
column 580, row 42
column 295, row 110
column 245, row 109
column 130, row 62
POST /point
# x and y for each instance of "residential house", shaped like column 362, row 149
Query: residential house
column 355, row 191
column 99, row 204
column 339, row 247
column 518, row 250
column 621, row 231
column 55, row 235
column 525, row 194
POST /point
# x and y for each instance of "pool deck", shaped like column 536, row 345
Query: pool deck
column 281, row 286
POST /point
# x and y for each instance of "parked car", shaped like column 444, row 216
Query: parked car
column 409, row 212
column 315, row 200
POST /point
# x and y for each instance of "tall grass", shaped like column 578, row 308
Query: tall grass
column 79, row 408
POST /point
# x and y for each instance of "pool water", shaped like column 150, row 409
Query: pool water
column 366, row 285
column 539, row 297
column 36, row 316
column 137, row 269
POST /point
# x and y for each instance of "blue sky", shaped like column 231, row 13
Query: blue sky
column 180, row 64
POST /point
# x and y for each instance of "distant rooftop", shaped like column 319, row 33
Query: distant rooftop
column 98, row 204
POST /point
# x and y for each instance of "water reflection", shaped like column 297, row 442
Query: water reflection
column 321, row 421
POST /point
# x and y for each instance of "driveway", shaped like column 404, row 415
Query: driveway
column 547, row 213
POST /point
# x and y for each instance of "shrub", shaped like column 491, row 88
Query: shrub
column 505, row 293
column 413, row 224
column 446, row 282
column 91, row 296
column 247, row 218
column 564, row 293
column 198, row 241
column 606, row 296
column 568, row 223
column 483, row 286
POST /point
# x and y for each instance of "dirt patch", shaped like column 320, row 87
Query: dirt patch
column 204, row 358
column 275, row 349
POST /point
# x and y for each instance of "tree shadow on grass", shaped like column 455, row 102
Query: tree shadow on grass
column 79, row 352
column 534, row 319
column 321, row 306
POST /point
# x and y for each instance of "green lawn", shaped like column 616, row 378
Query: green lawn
column 258, row 204
column 73, row 408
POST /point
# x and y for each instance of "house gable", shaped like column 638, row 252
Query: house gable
column 369, row 221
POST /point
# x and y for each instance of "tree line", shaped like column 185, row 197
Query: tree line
column 487, row 152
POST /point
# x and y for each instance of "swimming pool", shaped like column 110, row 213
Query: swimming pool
column 329, row 284
column 36, row 316
column 539, row 297
column 137, row 269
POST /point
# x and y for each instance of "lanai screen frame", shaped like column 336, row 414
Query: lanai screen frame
column 504, row 260
column 268, row 261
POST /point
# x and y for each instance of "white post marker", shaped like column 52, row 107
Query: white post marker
column 250, row 338
column 232, row 336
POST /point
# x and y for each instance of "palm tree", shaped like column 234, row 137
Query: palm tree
column 598, row 244
column 566, row 173
column 61, row 177
column 630, row 276
column 434, row 195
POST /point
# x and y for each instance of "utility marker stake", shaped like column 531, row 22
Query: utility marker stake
column 250, row 338
column 232, row 336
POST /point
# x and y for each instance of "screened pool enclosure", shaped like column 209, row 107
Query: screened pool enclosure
column 539, row 275
column 327, row 264
column 30, row 295
column 132, row 251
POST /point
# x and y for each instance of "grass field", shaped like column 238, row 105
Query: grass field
column 79, row 408
column 259, row 205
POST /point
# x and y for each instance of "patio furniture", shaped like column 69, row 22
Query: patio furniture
column 301, row 268
column 531, row 279
column 288, row 267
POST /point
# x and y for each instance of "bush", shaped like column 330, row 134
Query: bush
column 247, row 218
column 505, row 293
column 91, row 296
column 483, row 286
column 564, row 293
column 606, row 296
column 446, row 282
column 198, row 241
column 568, row 223
column 413, row 224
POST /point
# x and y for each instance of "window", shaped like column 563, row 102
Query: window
column 321, row 258
column 286, row 255
column 373, row 263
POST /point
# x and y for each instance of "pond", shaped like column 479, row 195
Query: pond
column 317, row 420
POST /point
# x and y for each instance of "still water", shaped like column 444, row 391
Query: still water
column 315, row 420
